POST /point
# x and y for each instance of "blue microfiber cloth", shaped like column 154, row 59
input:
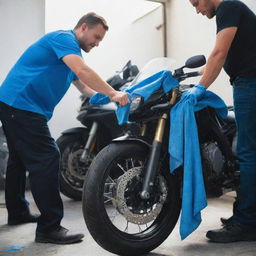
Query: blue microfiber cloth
column 13, row 249
column 184, row 150
column 161, row 80
column 183, row 141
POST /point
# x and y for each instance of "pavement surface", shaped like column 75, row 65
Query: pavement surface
column 19, row 240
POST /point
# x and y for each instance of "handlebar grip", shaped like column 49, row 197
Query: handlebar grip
column 190, row 74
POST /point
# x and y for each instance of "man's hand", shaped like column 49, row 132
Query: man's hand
column 120, row 97
column 196, row 93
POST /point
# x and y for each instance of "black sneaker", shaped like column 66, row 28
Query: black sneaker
column 58, row 236
column 232, row 232
column 27, row 218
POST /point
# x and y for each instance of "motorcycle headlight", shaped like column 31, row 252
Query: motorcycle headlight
column 136, row 103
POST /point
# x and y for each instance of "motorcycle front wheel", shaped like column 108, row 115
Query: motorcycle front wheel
column 72, row 170
column 115, row 215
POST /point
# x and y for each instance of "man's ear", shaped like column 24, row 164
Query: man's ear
column 84, row 27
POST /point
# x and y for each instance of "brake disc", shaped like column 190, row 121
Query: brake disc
column 148, row 214
column 76, row 168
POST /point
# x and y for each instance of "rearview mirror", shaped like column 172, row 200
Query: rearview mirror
column 195, row 61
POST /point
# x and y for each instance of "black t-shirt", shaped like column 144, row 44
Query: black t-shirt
column 241, row 58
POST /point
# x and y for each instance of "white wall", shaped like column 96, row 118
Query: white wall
column 132, row 35
column 191, row 34
column 21, row 23
column 251, row 4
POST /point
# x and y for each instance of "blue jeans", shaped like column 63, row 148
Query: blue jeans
column 244, row 94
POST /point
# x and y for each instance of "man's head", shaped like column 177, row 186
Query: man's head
column 90, row 30
column 206, row 7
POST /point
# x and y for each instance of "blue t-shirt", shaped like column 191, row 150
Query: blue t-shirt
column 39, row 79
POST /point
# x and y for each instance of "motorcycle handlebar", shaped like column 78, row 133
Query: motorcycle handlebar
column 191, row 74
column 183, row 76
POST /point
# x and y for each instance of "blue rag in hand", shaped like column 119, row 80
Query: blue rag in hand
column 145, row 89
column 195, row 93
column 184, row 150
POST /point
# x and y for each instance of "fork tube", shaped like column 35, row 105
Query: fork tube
column 90, row 142
column 143, row 130
column 153, row 161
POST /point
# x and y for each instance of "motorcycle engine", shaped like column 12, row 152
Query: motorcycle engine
column 212, row 163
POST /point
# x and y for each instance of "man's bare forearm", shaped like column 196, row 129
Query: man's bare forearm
column 84, row 89
column 212, row 69
column 91, row 78
column 87, row 76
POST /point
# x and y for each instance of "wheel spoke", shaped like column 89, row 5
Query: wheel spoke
column 132, row 163
column 141, row 164
column 111, row 180
column 121, row 167
column 109, row 198
column 110, row 183
column 126, row 164
column 106, row 201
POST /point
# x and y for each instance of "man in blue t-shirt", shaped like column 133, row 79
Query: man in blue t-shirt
column 235, row 50
column 28, row 95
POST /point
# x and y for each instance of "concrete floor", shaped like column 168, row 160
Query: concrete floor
column 20, row 239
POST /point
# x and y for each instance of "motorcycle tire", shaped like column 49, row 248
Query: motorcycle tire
column 72, row 171
column 95, row 211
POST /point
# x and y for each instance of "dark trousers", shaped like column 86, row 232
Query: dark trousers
column 31, row 148
column 244, row 94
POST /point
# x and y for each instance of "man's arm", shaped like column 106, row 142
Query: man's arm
column 218, row 56
column 89, row 77
column 83, row 88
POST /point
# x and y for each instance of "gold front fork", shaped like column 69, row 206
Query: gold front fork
column 162, row 121
column 155, row 154
column 160, row 128
column 143, row 130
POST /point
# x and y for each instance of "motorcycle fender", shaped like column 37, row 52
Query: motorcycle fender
column 129, row 138
column 75, row 130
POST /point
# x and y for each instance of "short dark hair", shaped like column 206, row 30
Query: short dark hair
column 92, row 19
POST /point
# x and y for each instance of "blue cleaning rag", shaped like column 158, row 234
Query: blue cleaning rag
column 184, row 150
column 145, row 88
column 13, row 249
column 183, row 141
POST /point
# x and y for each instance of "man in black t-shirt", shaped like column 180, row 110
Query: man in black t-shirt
column 235, row 50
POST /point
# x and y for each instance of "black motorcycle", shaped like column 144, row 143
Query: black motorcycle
column 79, row 145
column 131, row 201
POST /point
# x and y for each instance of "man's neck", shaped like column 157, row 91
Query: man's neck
column 216, row 3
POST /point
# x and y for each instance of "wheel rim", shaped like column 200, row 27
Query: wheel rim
column 123, row 205
column 74, row 170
